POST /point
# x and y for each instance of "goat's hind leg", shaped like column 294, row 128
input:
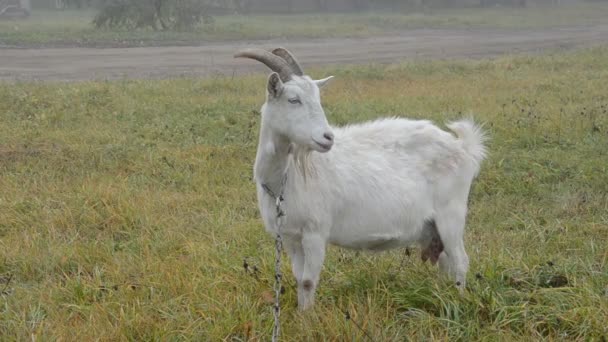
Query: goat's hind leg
column 454, row 259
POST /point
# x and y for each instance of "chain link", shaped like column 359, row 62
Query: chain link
column 278, row 276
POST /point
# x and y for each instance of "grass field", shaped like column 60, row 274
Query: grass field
column 74, row 28
column 127, row 210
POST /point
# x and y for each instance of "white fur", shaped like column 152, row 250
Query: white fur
column 374, row 189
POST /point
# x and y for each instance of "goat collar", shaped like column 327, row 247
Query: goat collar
column 276, row 196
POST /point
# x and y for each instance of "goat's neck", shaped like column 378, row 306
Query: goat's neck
column 271, row 159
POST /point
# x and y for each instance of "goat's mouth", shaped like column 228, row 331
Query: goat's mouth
column 323, row 147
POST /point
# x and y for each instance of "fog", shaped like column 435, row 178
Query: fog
column 60, row 39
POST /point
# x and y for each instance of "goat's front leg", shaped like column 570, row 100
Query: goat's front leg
column 294, row 249
column 314, row 255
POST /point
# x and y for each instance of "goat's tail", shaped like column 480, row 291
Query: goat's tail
column 473, row 137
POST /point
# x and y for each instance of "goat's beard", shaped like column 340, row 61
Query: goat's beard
column 300, row 160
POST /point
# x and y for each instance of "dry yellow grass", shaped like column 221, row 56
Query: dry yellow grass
column 127, row 210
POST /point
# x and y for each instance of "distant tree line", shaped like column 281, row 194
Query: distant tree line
column 265, row 6
column 217, row 7
column 162, row 15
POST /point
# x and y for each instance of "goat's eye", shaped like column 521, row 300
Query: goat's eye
column 295, row 100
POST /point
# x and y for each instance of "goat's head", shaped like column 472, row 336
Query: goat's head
column 293, row 103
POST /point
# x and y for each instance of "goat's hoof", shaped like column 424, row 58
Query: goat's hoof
column 460, row 286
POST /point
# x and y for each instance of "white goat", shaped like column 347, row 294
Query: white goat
column 373, row 186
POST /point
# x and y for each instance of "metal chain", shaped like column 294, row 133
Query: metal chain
column 277, row 289
column 278, row 276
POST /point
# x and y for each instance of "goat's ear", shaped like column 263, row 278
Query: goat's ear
column 322, row 82
column 275, row 85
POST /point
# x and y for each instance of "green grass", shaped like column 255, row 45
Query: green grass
column 127, row 209
column 74, row 28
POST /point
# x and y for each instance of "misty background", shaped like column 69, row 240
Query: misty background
column 198, row 37
column 185, row 14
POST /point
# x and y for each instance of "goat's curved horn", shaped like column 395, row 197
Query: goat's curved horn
column 275, row 63
column 290, row 59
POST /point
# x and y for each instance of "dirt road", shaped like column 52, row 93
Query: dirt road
column 200, row 61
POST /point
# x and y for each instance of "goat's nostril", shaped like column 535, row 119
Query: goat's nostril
column 329, row 136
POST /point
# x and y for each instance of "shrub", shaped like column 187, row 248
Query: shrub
column 156, row 14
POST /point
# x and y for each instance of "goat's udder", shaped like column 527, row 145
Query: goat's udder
column 433, row 250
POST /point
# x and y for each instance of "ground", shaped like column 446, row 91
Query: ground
column 216, row 59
